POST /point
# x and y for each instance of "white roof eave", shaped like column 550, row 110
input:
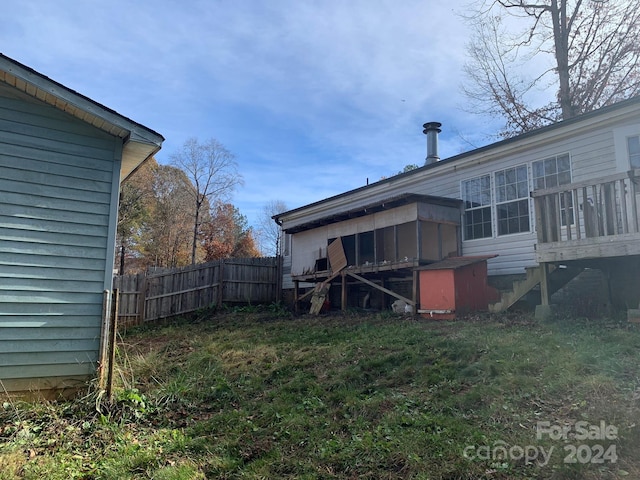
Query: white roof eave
column 140, row 142
column 546, row 135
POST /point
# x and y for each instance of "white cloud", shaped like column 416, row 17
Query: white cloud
column 312, row 96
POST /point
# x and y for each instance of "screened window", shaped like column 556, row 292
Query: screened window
column 553, row 172
column 512, row 200
column 476, row 194
column 634, row 151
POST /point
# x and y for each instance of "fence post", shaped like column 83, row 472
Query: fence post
column 142, row 288
column 221, row 284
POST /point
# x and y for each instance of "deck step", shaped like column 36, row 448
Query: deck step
column 558, row 277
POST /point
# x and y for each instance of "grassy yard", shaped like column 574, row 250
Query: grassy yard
column 258, row 394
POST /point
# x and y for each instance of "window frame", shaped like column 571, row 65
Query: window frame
column 521, row 198
column 482, row 207
column 493, row 208
column 543, row 161
column 631, row 155
column 556, row 174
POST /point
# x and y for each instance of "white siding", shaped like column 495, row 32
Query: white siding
column 592, row 156
column 309, row 246
column 56, row 193
column 591, row 146
column 306, row 248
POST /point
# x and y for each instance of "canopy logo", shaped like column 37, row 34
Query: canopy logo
column 596, row 451
column 579, row 431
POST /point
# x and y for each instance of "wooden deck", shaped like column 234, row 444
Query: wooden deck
column 589, row 220
column 382, row 267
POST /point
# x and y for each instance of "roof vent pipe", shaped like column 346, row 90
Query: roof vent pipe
column 431, row 130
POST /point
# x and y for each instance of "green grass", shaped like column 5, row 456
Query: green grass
column 253, row 394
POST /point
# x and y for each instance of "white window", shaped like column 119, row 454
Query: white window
column 512, row 200
column 553, row 172
column 476, row 194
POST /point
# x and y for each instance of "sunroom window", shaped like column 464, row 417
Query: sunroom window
column 512, row 200
column 553, row 172
column 476, row 195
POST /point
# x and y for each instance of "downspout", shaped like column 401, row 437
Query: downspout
column 110, row 256
column 279, row 262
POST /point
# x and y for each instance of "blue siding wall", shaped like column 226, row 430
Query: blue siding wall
column 56, row 177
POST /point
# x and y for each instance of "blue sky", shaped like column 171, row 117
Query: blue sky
column 313, row 97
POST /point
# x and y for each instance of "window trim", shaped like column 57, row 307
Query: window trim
column 620, row 136
column 532, row 183
column 515, row 200
column 627, row 138
column 571, row 208
column 490, row 206
column 493, row 207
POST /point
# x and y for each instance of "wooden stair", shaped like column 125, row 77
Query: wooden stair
column 558, row 277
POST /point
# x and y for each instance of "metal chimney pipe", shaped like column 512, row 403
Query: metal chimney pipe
column 431, row 130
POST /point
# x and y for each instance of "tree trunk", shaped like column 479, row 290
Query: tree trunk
column 122, row 251
column 195, row 234
column 561, row 39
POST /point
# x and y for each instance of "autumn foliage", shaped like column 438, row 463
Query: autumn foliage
column 226, row 235
column 156, row 217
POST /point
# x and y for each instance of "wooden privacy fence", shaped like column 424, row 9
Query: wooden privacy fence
column 154, row 296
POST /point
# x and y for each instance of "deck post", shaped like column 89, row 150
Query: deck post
column 634, row 206
column 383, row 297
column 343, row 305
column 544, row 284
column 419, row 239
column 296, row 294
column 395, row 243
column 416, row 291
column 545, row 310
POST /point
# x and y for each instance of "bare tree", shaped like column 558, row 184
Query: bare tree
column 270, row 234
column 585, row 51
column 213, row 171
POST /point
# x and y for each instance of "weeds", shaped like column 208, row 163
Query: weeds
column 275, row 309
column 235, row 396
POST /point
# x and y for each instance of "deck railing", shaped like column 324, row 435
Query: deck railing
column 577, row 211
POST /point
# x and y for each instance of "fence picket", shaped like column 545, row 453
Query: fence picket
column 154, row 296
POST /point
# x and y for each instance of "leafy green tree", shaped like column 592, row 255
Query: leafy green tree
column 408, row 168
